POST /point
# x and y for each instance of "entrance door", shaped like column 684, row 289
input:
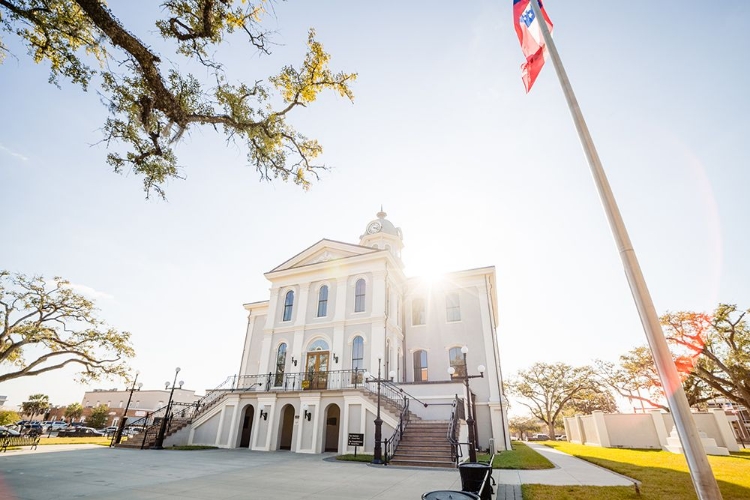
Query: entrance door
column 247, row 427
column 317, row 370
column 287, row 428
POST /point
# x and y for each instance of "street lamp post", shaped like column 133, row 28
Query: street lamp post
column 159, row 444
column 123, row 421
column 470, row 417
column 378, row 453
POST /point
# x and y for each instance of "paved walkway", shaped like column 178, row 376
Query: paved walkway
column 97, row 472
column 568, row 471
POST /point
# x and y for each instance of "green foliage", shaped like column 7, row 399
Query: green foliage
column 523, row 426
column 98, row 417
column 37, row 404
column 590, row 400
column 73, row 411
column 360, row 457
column 8, row 417
column 56, row 327
column 150, row 108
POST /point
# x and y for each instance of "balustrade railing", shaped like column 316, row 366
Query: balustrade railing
column 457, row 414
column 391, row 444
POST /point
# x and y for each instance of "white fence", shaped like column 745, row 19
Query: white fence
column 644, row 430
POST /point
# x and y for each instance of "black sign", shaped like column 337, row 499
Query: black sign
column 356, row 439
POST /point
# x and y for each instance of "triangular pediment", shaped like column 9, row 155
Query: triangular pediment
column 323, row 251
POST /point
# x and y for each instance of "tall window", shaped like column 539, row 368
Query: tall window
column 417, row 312
column 420, row 366
column 452, row 307
column 323, row 301
column 359, row 295
column 457, row 362
column 288, row 304
column 280, row 364
column 358, row 353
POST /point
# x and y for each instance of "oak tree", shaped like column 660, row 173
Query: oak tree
column 152, row 103
column 719, row 344
column 546, row 388
column 46, row 326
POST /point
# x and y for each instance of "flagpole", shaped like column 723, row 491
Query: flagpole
column 703, row 478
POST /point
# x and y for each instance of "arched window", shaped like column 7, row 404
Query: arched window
column 318, row 345
column 288, row 304
column 359, row 295
column 358, row 353
column 457, row 362
column 420, row 366
column 280, row 364
column 323, row 301
column 417, row 311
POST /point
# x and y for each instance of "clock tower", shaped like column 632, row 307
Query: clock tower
column 382, row 234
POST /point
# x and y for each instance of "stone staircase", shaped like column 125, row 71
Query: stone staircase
column 150, row 433
column 424, row 444
column 389, row 406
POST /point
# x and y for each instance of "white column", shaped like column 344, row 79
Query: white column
column 246, row 348
column 273, row 309
column 301, row 305
column 342, row 291
column 492, row 374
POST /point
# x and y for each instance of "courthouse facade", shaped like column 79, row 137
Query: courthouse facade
column 337, row 314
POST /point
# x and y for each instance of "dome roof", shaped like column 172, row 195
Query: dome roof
column 382, row 225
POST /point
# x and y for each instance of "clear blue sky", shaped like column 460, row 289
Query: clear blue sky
column 441, row 133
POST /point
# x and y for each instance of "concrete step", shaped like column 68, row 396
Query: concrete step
column 423, row 463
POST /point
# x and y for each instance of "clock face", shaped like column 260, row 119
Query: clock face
column 374, row 227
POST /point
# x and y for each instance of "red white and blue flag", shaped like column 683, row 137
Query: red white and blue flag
column 530, row 35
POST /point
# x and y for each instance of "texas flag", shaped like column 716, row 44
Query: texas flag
column 530, row 35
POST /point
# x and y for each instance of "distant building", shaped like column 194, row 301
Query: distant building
column 142, row 402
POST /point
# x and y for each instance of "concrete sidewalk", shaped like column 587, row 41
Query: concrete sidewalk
column 97, row 472
column 568, row 471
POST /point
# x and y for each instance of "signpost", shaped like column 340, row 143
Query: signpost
column 356, row 440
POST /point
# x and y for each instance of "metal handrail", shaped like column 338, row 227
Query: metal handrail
column 457, row 414
column 391, row 444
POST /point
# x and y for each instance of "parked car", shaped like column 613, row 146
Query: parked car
column 5, row 432
column 79, row 432
column 539, row 437
column 562, row 437
column 109, row 431
column 58, row 425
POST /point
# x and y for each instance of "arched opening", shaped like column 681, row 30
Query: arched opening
column 247, row 426
column 286, row 428
column 333, row 420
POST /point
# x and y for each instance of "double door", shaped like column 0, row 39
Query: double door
column 316, row 373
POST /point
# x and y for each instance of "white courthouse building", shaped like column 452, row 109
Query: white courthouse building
column 336, row 310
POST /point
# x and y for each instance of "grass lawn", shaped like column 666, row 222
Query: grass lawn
column 663, row 475
column 520, row 457
column 361, row 457
column 100, row 440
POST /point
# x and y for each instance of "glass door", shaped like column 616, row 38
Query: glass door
column 317, row 370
